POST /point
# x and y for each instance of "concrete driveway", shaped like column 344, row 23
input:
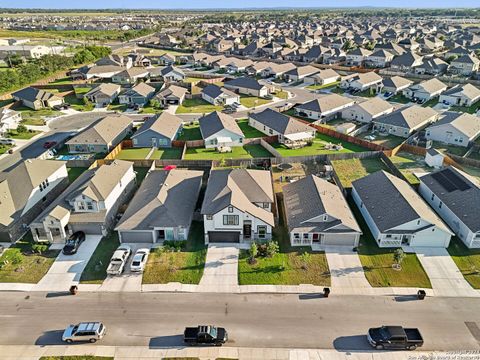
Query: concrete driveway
column 446, row 278
column 67, row 269
column 128, row 281
column 346, row 270
column 221, row 269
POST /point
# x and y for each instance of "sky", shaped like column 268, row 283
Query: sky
column 234, row 4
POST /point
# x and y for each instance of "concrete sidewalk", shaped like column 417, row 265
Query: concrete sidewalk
column 446, row 278
column 221, row 269
column 32, row 352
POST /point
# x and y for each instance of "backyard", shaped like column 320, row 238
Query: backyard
column 142, row 153
column 96, row 270
column 197, row 106
column 190, row 132
column 238, row 152
column 20, row 264
column 248, row 131
column 253, row 101
column 353, row 169
column 409, row 164
column 185, row 266
column 318, row 147
column 467, row 260
column 388, row 141
column 74, row 173
column 287, row 267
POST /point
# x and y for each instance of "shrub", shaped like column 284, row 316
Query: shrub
column 272, row 248
column 174, row 246
column 253, row 253
column 15, row 258
column 305, row 257
column 39, row 248
column 21, row 129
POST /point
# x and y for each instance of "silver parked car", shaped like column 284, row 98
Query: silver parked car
column 85, row 331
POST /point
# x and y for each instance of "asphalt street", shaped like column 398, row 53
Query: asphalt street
column 252, row 320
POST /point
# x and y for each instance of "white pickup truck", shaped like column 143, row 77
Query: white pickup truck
column 119, row 260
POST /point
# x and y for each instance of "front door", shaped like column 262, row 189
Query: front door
column 161, row 234
column 315, row 238
column 154, row 142
column 405, row 240
column 247, row 230
column 169, row 234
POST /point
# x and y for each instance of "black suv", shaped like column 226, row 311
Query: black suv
column 73, row 243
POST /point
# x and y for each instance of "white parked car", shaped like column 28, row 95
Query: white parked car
column 119, row 260
column 7, row 141
column 139, row 260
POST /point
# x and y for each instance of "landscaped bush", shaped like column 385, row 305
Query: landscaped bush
column 174, row 246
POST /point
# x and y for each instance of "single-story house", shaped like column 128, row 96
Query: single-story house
column 368, row 110
column 325, row 107
column 36, row 99
column 25, row 190
column 158, row 131
column 299, row 73
column 90, row 204
column 140, row 94
column 404, row 121
column 130, row 76
column 102, row 136
column 425, row 90
column 219, row 96
column 166, row 59
column 289, row 130
column 318, row 214
column 362, row 82
column 455, row 196
column 246, row 86
column 104, row 94
column 323, row 77
column 395, row 84
column 454, row 128
column 238, row 206
column 171, row 95
column 162, row 209
column 172, row 74
column 276, row 70
column 461, row 95
column 396, row 214
column 219, row 129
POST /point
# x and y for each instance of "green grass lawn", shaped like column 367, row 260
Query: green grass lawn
column 468, row 261
column 318, row 147
column 167, row 153
column 141, row 173
column 377, row 262
column 79, row 90
column 78, row 104
column 19, row 264
column 4, row 148
column 133, row 154
column 257, row 151
column 286, row 267
column 117, row 107
column 248, row 131
column 96, row 270
column 75, row 172
column 252, row 101
column 190, row 132
column 408, row 164
column 35, row 117
column 194, row 106
column 366, row 93
column 325, row 86
column 281, row 94
column 399, row 98
column 62, row 81
column 338, row 90
column 185, row 266
column 238, row 152
column 148, row 109
column 389, row 141
column 354, row 169
column 470, row 109
column 431, row 102
column 14, row 134
column 451, row 149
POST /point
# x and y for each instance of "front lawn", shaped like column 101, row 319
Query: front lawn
column 4, row 148
column 471, row 109
column 25, row 135
column 252, row 101
column 354, row 169
column 194, row 106
column 281, row 94
column 133, row 154
column 467, row 260
column 19, row 264
column 167, row 153
column 75, row 172
column 318, row 147
column 287, row 267
column 324, row 86
column 185, row 266
column 431, row 102
column 190, row 132
column 35, row 117
column 377, row 262
column 96, row 270
column 399, row 98
column 248, row 131
column 78, row 104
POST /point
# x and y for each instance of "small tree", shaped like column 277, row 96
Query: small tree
column 398, row 257
column 272, row 248
column 21, row 129
column 253, row 253
column 39, row 248
column 305, row 257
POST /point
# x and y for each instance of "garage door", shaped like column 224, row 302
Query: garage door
column 223, row 236
column 136, row 236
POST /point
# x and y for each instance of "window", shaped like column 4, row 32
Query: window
column 230, row 209
column 135, row 141
column 418, row 222
column 306, row 235
column 89, row 206
column 81, row 206
column 388, row 236
column 440, row 205
column 230, row 219
column 266, row 205
column 325, row 217
column 270, row 131
column 262, row 231
column 433, row 197
column 209, row 217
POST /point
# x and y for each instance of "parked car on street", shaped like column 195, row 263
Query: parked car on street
column 73, row 243
column 205, row 335
column 85, row 331
column 139, row 260
column 395, row 337
column 119, row 260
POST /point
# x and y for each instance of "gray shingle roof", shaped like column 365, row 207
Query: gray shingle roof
column 408, row 117
column 165, row 124
column 279, row 122
column 326, row 103
column 245, row 82
column 216, row 121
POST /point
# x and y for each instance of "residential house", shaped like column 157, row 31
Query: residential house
column 465, row 65
column 25, row 191
column 158, row 131
column 325, row 107
column 36, row 99
column 238, row 206
column 317, row 214
column 323, row 77
column 405, row 121
column 172, row 74
column 425, row 90
column 162, row 208
column 276, row 70
column 368, row 110
column 455, row 128
column 171, row 95
column 379, row 59
column 130, row 76
column 166, row 59
column 455, row 196
column 90, row 204
column 300, row 73
column 396, row 214
column 219, row 96
column 461, row 95
column 103, row 95
column 102, row 136
column 98, row 71
column 357, row 56
column 9, row 120
column 219, row 129
column 396, row 84
column 246, row 86
column 362, row 82
column 115, row 60
column 431, row 66
column 139, row 94
column 406, row 62
column 289, row 130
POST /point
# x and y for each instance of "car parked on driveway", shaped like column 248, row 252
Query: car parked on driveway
column 73, row 243
column 119, row 260
column 139, row 260
column 85, row 331
column 7, row 141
